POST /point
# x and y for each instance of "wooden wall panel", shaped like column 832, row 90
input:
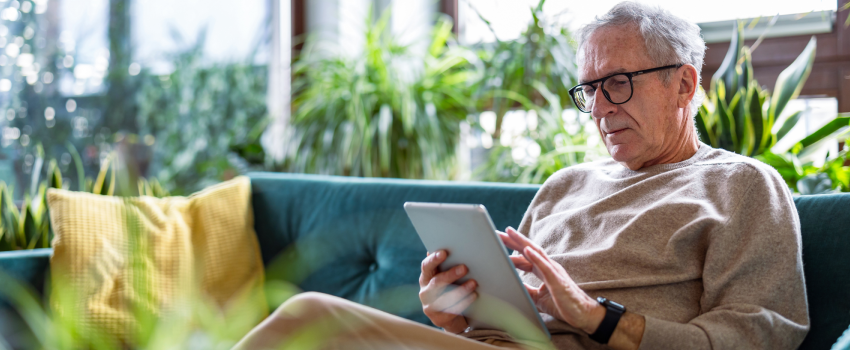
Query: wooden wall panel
column 450, row 7
column 299, row 23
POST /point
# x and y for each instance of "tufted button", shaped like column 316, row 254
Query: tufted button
column 373, row 267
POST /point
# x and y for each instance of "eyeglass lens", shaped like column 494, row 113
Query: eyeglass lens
column 618, row 89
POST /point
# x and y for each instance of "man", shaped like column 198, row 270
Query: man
column 701, row 246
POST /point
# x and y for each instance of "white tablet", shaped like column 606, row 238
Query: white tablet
column 468, row 234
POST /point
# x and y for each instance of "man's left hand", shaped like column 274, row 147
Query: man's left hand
column 559, row 295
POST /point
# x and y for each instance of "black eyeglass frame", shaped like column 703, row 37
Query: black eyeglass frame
column 601, row 82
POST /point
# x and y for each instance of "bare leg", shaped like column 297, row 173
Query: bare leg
column 320, row 321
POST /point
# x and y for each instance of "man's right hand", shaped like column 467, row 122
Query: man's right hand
column 443, row 302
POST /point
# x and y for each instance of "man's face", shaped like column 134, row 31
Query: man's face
column 645, row 129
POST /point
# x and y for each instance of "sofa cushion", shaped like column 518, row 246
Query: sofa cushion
column 825, row 224
column 350, row 237
column 122, row 256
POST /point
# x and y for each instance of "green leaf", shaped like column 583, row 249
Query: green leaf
column 30, row 229
column 441, row 33
column 105, row 182
column 789, row 124
column 727, row 74
column 745, row 68
column 705, row 134
column 760, row 131
column 815, row 184
column 739, row 125
column 730, row 124
column 790, row 82
column 11, row 220
column 36, row 168
column 54, row 175
column 830, row 128
column 78, row 163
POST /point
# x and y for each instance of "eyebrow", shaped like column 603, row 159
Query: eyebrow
column 616, row 71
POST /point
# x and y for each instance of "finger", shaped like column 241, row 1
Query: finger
column 454, row 296
column 449, row 276
column 532, row 291
column 522, row 240
column 461, row 306
column 509, row 241
column 519, row 241
column 525, row 242
column 437, row 285
column 520, row 262
column 429, row 266
column 543, row 268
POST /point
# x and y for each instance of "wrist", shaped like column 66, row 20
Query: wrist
column 595, row 316
column 458, row 326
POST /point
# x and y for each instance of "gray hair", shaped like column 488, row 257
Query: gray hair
column 668, row 39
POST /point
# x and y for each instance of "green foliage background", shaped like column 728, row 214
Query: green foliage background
column 385, row 112
column 197, row 115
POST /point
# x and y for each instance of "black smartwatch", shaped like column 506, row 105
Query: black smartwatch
column 612, row 316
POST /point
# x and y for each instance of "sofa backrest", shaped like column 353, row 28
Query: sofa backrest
column 350, row 237
column 825, row 224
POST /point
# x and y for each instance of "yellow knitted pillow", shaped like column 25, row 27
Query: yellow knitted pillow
column 117, row 257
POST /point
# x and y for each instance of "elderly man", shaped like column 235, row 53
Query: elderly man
column 701, row 247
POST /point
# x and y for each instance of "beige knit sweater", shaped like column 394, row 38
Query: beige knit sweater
column 708, row 250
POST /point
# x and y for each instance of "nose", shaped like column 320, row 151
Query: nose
column 601, row 107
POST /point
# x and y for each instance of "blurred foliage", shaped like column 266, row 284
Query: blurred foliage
column 33, row 112
column 555, row 141
column 28, row 226
column 384, row 112
column 187, row 128
column 533, row 72
column 197, row 115
column 806, row 178
column 741, row 117
column 193, row 322
column 542, row 54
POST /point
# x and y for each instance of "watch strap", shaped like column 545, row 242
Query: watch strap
column 613, row 313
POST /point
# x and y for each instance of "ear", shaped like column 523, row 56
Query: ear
column 687, row 85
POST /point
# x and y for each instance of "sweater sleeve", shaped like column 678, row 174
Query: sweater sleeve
column 754, row 294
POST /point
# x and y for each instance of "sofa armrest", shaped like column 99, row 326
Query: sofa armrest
column 29, row 267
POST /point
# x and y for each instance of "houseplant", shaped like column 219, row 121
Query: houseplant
column 27, row 226
column 380, row 113
column 740, row 116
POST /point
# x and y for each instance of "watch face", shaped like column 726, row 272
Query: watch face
column 615, row 305
column 609, row 303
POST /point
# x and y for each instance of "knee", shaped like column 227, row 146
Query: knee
column 307, row 303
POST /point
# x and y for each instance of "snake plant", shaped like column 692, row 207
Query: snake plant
column 28, row 226
column 740, row 116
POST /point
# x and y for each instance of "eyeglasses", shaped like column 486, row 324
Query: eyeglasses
column 617, row 88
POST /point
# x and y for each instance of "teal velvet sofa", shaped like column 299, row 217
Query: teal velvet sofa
column 350, row 237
